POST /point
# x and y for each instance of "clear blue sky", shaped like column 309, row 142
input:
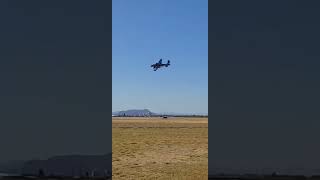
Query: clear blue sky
column 144, row 31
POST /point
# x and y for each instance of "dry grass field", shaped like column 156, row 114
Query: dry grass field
column 156, row 148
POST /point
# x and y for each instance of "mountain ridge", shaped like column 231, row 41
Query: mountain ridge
column 147, row 112
column 62, row 165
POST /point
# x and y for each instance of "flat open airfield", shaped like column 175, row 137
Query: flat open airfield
column 156, row 148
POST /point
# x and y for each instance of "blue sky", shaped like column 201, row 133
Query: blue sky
column 144, row 31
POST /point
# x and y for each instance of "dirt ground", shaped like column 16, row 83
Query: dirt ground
column 156, row 148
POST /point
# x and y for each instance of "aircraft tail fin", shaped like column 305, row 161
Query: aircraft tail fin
column 168, row 63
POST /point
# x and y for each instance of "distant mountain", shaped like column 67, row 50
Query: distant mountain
column 11, row 167
column 71, row 165
column 68, row 165
column 135, row 112
column 183, row 114
column 147, row 112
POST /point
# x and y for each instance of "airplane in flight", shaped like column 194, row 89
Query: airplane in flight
column 159, row 64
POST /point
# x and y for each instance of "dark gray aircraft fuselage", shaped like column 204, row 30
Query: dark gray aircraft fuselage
column 159, row 64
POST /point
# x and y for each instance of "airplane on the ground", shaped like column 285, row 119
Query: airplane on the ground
column 159, row 64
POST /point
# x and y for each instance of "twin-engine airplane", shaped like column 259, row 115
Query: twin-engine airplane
column 159, row 64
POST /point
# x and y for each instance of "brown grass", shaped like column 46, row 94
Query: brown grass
column 155, row 148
